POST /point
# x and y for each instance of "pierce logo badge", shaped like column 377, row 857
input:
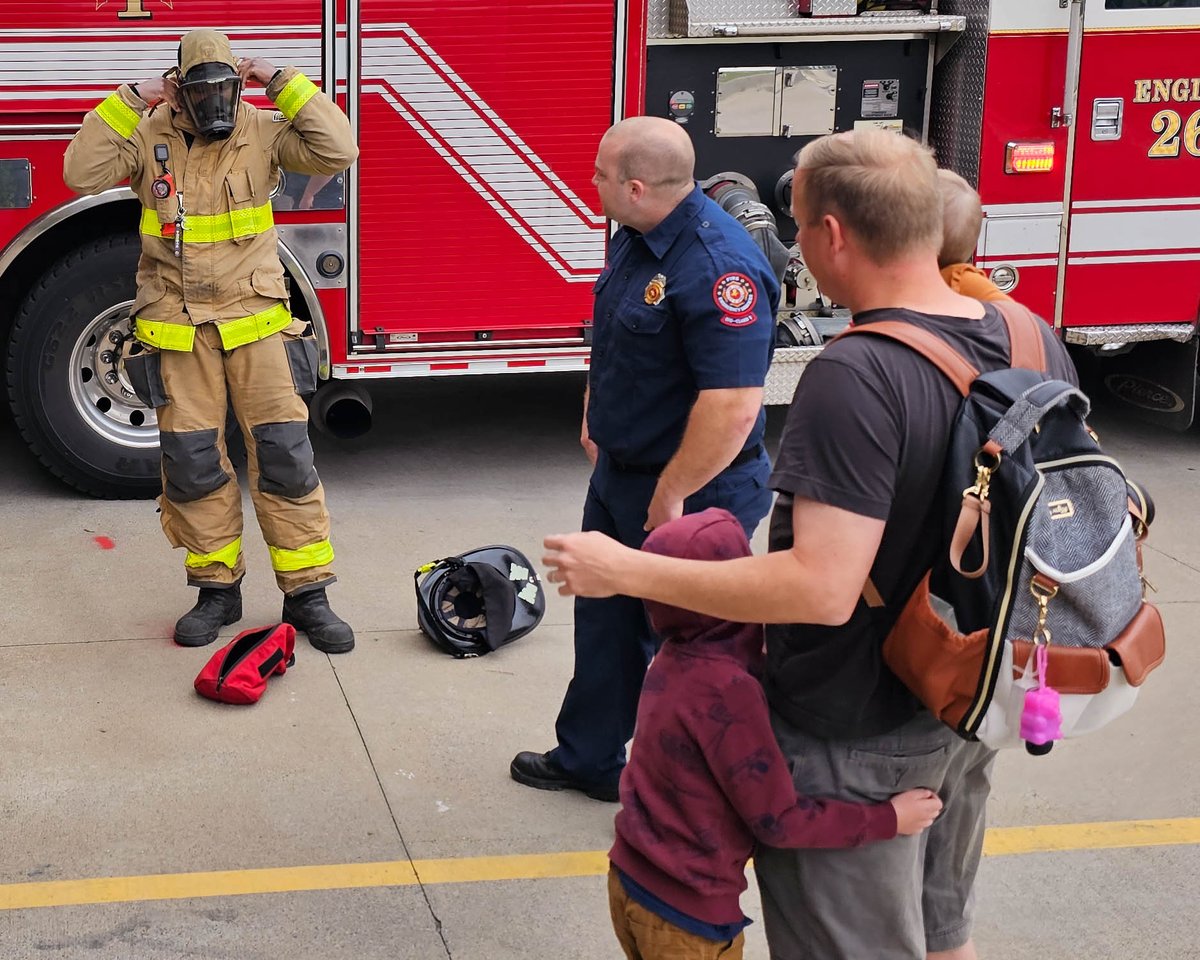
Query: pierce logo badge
column 656, row 290
column 735, row 295
column 1061, row 509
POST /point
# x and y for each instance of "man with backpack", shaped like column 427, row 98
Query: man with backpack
column 856, row 527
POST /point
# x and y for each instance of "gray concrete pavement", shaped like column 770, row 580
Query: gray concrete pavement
column 111, row 766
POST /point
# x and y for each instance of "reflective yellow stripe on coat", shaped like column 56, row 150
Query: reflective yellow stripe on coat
column 165, row 336
column 314, row 555
column 233, row 333
column 295, row 94
column 119, row 115
column 227, row 555
column 217, row 227
column 258, row 326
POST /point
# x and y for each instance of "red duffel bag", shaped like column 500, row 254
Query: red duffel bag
column 238, row 672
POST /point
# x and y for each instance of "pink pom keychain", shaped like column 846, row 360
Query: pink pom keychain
column 1041, row 719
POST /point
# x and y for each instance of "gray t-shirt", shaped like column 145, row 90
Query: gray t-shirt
column 867, row 432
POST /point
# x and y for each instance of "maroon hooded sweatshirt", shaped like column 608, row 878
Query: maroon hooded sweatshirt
column 706, row 778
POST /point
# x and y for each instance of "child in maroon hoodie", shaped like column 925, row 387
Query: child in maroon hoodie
column 706, row 779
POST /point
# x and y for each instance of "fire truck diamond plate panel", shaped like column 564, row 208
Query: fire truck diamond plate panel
column 692, row 17
column 714, row 18
column 956, row 118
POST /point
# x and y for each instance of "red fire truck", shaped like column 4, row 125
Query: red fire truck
column 466, row 238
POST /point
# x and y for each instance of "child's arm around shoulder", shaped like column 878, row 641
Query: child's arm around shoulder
column 746, row 761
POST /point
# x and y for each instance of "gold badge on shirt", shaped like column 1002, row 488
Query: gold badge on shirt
column 656, row 290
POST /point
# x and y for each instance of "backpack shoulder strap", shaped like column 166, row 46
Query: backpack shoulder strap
column 958, row 370
column 1026, row 347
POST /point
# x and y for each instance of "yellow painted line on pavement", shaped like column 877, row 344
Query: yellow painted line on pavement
column 1001, row 841
column 1112, row 835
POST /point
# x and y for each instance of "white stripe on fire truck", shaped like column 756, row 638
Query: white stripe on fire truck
column 107, row 64
column 1146, row 258
column 1151, row 202
column 1022, row 209
column 480, row 148
column 1128, row 232
column 1016, row 261
column 1028, row 15
column 367, row 371
column 125, row 32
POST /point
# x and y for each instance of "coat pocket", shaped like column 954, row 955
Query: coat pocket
column 269, row 282
column 239, row 191
column 149, row 292
column 302, row 358
column 143, row 368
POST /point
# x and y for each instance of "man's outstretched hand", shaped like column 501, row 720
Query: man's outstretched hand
column 585, row 564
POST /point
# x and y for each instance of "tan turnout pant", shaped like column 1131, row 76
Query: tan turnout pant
column 201, row 502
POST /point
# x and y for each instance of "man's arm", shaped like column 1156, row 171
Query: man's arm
column 716, row 432
column 316, row 138
column 585, row 439
column 103, row 152
column 819, row 580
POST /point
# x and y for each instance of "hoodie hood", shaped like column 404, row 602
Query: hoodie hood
column 713, row 534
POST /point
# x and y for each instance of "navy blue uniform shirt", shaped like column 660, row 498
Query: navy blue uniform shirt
column 687, row 306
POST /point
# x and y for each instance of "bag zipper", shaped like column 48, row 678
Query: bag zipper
column 227, row 667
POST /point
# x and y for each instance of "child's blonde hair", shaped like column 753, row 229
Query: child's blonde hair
column 962, row 218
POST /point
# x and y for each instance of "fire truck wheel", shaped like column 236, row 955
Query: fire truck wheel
column 70, row 396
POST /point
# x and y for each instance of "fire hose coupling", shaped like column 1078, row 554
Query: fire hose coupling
column 737, row 195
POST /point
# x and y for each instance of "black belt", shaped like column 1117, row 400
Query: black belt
column 749, row 455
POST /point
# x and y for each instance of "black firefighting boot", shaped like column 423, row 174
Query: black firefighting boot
column 215, row 608
column 309, row 613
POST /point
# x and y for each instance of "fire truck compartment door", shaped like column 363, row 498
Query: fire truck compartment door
column 478, row 126
column 1133, row 251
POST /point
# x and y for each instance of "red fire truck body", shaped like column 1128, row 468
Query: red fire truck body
column 466, row 238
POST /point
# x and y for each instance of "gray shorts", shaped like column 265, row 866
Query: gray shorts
column 893, row 900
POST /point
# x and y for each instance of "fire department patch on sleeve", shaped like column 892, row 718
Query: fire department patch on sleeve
column 735, row 296
column 278, row 117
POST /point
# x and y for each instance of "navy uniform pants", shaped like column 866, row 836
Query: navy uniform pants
column 613, row 640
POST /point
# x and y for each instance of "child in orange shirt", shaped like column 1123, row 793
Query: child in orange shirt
column 963, row 216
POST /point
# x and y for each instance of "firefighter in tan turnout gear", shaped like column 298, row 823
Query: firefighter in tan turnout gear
column 211, row 316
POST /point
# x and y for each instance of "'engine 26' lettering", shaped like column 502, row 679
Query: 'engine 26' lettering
column 1182, row 90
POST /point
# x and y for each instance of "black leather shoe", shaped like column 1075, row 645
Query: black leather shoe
column 539, row 771
column 309, row 613
column 215, row 608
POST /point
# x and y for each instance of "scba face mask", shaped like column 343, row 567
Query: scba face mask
column 211, row 94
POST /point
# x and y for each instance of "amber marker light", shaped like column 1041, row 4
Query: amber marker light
column 1029, row 157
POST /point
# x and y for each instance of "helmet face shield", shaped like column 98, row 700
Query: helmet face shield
column 211, row 93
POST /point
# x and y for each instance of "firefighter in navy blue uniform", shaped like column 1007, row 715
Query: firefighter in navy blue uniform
column 212, row 318
column 684, row 322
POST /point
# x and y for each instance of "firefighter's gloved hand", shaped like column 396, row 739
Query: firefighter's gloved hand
column 259, row 69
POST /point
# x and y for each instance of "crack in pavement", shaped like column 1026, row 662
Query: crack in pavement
column 1163, row 553
column 437, row 921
